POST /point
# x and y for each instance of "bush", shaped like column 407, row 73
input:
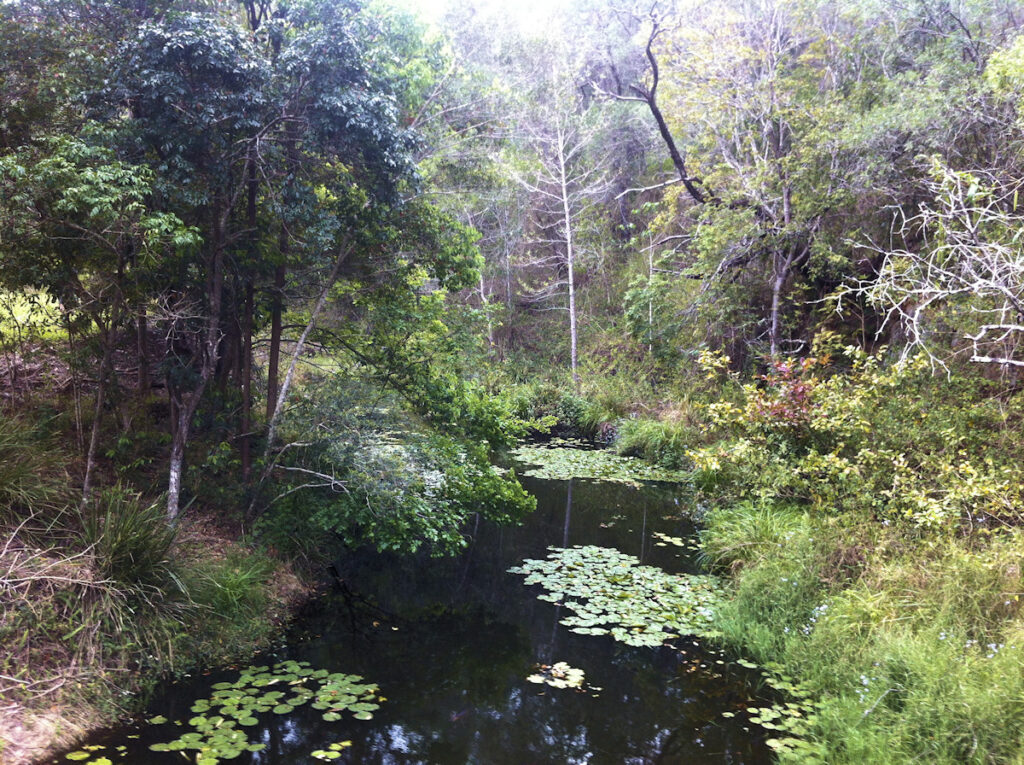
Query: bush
column 130, row 539
column 30, row 475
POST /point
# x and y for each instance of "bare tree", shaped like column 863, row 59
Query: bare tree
column 967, row 273
column 565, row 181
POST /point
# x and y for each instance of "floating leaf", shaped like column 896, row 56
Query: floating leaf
column 215, row 737
column 610, row 592
column 555, row 461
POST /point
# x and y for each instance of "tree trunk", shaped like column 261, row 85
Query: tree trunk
column 142, row 351
column 274, row 359
column 781, row 272
column 247, row 322
column 101, row 391
column 485, row 304
column 567, row 222
column 210, row 353
column 289, row 375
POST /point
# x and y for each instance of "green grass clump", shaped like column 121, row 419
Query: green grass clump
column 231, row 593
column 129, row 538
column 663, row 442
column 912, row 649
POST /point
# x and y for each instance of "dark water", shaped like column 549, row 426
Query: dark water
column 451, row 641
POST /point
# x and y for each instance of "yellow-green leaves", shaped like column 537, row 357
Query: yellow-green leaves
column 610, row 593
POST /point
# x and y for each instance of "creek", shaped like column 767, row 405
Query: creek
column 451, row 642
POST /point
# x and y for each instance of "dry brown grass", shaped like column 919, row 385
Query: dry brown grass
column 63, row 670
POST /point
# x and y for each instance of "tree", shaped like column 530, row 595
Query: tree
column 78, row 225
column 965, row 282
column 562, row 176
column 286, row 124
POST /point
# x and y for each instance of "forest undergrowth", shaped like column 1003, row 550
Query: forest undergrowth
column 97, row 602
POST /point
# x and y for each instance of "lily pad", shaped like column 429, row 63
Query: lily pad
column 609, row 591
column 560, row 463
column 215, row 737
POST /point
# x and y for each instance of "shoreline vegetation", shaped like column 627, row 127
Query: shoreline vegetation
column 84, row 641
column 866, row 514
column 280, row 279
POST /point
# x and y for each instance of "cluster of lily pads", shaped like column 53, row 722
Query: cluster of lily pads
column 610, row 593
column 219, row 721
column 561, row 675
column 791, row 720
column 561, row 463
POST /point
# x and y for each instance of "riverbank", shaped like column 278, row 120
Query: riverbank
column 81, row 649
column 868, row 516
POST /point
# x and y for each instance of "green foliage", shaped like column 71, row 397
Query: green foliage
column 232, row 588
column 216, row 734
column 129, row 538
column 609, row 593
column 547, row 405
column 896, row 443
column 748, row 533
column 368, row 473
column 838, row 492
column 906, row 648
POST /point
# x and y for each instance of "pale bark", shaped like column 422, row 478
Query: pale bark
column 569, row 258
column 273, row 361
column 101, row 394
column 189, row 402
column 300, row 344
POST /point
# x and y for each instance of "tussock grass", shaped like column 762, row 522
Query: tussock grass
column 917, row 657
column 130, row 539
column 97, row 602
column 663, row 442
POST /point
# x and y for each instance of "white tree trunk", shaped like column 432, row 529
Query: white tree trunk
column 569, row 260
column 268, row 464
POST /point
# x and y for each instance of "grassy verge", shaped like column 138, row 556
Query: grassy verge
column 97, row 603
column 912, row 648
column 870, row 517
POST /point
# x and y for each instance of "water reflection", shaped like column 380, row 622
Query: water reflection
column 451, row 641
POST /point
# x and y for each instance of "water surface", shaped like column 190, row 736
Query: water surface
column 450, row 642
